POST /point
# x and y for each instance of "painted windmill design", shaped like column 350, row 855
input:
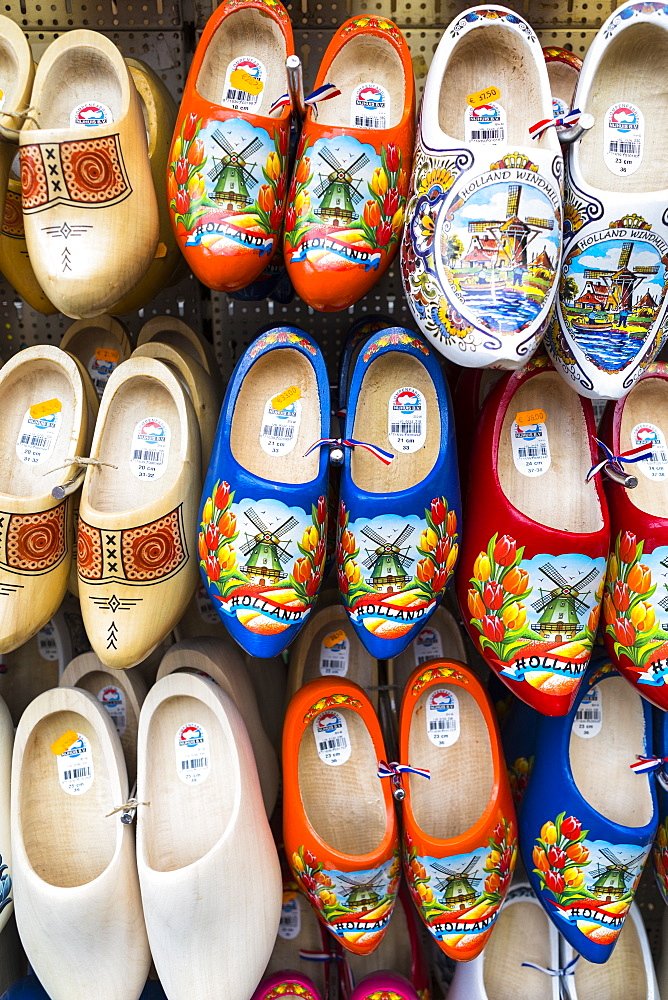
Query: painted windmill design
column 266, row 553
column 663, row 603
column 362, row 895
column 610, row 882
column 388, row 561
column 231, row 173
column 560, row 608
column 614, row 289
column 458, row 887
column 507, row 240
column 339, row 189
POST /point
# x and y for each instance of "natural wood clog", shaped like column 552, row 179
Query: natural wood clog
column 202, row 836
column 76, row 888
column 36, row 665
column 18, row 73
column 202, row 388
column 100, row 344
column 440, row 639
column 563, row 69
column 220, row 661
column 89, row 205
column 269, row 678
column 159, row 110
column 172, row 330
column 14, row 259
column 138, row 513
column 45, row 425
column 120, row 692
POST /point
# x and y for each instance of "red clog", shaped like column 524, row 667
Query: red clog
column 346, row 204
column 227, row 173
column 531, row 572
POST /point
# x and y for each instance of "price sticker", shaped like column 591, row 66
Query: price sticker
column 526, row 417
column 286, row 397
column 484, row 97
column 45, row 409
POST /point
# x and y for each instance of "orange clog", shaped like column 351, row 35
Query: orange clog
column 460, row 831
column 227, row 172
column 346, row 203
column 339, row 825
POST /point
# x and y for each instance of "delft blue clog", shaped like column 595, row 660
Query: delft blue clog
column 587, row 821
column 399, row 523
column 263, row 518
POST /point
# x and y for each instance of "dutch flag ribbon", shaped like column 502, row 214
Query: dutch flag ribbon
column 385, row 457
column 645, row 765
column 633, row 455
column 324, row 93
column 393, row 770
column 572, row 118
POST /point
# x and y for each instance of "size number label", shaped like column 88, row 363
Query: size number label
column 334, row 651
column 192, row 754
column 75, row 767
column 442, row 717
column 656, row 466
column 531, row 448
column 427, row 645
column 407, row 419
column 332, row 742
column 623, row 138
column 280, row 427
column 589, row 716
column 149, row 451
column 244, row 84
column 38, row 435
column 370, row 106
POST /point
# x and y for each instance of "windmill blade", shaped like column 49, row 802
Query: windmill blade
column 607, row 853
column 625, row 255
column 220, row 139
column 369, row 562
column 634, row 861
column 252, row 147
column 322, row 187
column 552, row 573
column 248, row 175
column 540, row 223
column 542, row 603
column 283, row 554
column 248, row 547
column 406, row 533
column 599, row 871
column 360, row 162
column 327, row 155
column 597, row 272
column 355, row 195
column 513, row 203
column 373, row 535
column 664, row 603
column 586, row 580
column 646, row 269
column 215, row 171
column 481, row 227
column 444, row 870
column 257, row 521
column 286, row 526
column 580, row 605
column 470, row 865
column 405, row 560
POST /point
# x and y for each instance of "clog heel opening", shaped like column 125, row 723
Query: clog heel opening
column 185, row 821
column 95, row 682
column 364, row 59
column 258, row 37
column 462, row 774
column 558, row 498
column 9, row 74
column 271, row 375
column 522, row 934
column 622, row 977
column 119, row 489
column 486, row 57
column 383, row 378
column 344, row 804
column 609, row 752
column 78, row 76
column 563, row 81
column 313, row 653
column 87, row 341
column 648, row 400
column 29, row 385
column 632, row 71
column 68, row 839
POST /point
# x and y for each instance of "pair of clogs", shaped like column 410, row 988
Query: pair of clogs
column 264, row 513
column 231, row 186
column 341, row 833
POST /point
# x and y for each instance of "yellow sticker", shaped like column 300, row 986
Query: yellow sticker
column 107, row 354
column 242, row 80
column 288, row 896
column 526, row 417
column 334, row 638
column 160, row 251
column 484, row 97
column 45, row 409
column 64, row 742
column 286, row 397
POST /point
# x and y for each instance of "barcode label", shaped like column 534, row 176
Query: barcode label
column 589, row 715
column 149, row 456
column 157, row 457
column 328, row 666
column 337, row 742
column 370, row 106
column 623, row 139
column 75, row 767
column 244, row 84
column 332, row 741
column 448, row 724
column 407, row 419
column 625, row 148
column 486, row 134
column 531, row 448
column 35, row 440
column 76, row 772
column 280, row 426
column 282, row 431
column 408, row 427
column 239, row 95
column 196, row 762
column 334, row 650
column 532, row 451
column 362, row 122
column 656, row 466
column 192, row 753
column 442, row 717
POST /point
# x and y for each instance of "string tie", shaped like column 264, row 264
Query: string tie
column 638, row 454
column 568, row 970
column 385, row 457
column 324, row 93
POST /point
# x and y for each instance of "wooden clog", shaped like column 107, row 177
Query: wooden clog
column 200, row 618
column 14, row 259
column 18, row 73
column 270, row 679
column 440, row 639
column 120, row 692
column 203, row 834
column 159, row 110
column 76, row 889
column 202, row 388
column 298, row 931
column 347, row 200
column 219, row 661
column 100, row 344
column 563, row 69
column 45, row 426
column 89, row 206
column 227, row 179
column 137, row 517
column 172, row 330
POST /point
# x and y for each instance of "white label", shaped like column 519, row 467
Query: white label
column 331, row 738
column 370, row 106
column 531, row 449
column 37, row 437
column 192, row 754
column 280, row 428
column 149, row 451
column 623, row 137
column 443, row 717
column 656, row 466
column 113, row 700
column 99, row 371
column 334, row 652
column 47, row 646
column 485, row 124
column 90, row 114
column 559, row 109
column 244, row 84
column 75, row 767
column 207, row 612
column 407, row 419
column 291, row 920
column 427, row 646
column 589, row 716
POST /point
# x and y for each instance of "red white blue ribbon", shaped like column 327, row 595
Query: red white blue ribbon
column 324, row 93
column 568, row 970
column 394, row 770
column 627, row 457
column 572, row 118
column 385, row 457
column 645, row 765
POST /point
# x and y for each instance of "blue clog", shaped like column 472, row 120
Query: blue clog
column 399, row 513
column 359, row 331
column 263, row 517
column 587, row 820
column 30, row 988
column 660, row 848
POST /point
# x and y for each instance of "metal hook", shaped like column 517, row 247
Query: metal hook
column 293, row 66
column 621, row 477
column 571, row 135
column 69, row 486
